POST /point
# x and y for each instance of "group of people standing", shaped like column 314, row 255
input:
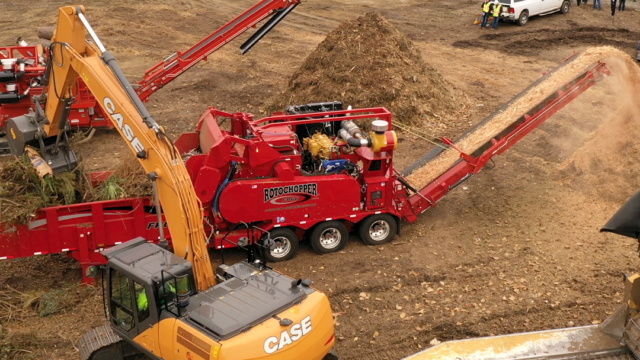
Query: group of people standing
column 597, row 4
column 492, row 8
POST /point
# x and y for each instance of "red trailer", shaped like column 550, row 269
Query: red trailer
column 310, row 173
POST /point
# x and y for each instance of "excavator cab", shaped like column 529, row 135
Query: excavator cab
column 143, row 280
column 151, row 292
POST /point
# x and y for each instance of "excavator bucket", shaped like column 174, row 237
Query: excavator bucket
column 626, row 221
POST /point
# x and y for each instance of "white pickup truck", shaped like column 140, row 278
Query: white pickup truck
column 520, row 10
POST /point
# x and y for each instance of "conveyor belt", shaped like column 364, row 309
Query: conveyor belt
column 437, row 150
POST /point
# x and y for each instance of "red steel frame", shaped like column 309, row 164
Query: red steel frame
column 179, row 62
column 469, row 165
column 10, row 110
column 83, row 230
column 86, row 112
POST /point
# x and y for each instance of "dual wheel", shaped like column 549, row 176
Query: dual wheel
column 332, row 236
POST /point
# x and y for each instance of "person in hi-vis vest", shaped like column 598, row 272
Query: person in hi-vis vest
column 487, row 6
column 497, row 9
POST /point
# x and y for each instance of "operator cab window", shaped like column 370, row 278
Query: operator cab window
column 174, row 292
column 167, row 293
column 121, row 306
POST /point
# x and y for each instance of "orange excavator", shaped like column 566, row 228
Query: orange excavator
column 172, row 305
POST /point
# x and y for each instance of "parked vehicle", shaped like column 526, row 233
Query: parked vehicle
column 521, row 10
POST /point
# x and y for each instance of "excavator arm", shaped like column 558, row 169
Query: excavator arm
column 73, row 56
column 48, row 132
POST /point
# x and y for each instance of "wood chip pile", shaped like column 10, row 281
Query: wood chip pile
column 367, row 62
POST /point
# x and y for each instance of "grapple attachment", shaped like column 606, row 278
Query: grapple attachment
column 25, row 130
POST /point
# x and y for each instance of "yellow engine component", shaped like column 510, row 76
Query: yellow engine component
column 385, row 141
column 319, row 145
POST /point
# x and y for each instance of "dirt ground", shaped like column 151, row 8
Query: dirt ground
column 516, row 249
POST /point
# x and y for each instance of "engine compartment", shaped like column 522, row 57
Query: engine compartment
column 270, row 164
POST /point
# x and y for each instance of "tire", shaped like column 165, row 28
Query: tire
column 524, row 18
column 329, row 236
column 286, row 245
column 565, row 7
column 378, row 229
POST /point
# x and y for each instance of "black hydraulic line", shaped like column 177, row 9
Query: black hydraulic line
column 110, row 61
column 264, row 30
column 406, row 184
column 47, row 70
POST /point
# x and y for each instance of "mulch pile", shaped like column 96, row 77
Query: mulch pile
column 367, row 62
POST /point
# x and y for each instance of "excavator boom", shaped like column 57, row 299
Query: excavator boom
column 73, row 56
column 50, row 135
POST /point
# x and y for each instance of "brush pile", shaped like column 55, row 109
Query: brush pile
column 367, row 62
column 23, row 192
column 127, row 181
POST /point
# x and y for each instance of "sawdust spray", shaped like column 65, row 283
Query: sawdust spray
column 619, row 62
column 607, row 165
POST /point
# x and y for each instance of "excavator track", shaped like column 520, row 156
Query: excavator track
column 102, row 343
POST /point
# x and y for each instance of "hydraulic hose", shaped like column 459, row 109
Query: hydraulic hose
column 232, row 173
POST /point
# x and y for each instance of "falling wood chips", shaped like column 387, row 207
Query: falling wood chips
column 426, row 174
